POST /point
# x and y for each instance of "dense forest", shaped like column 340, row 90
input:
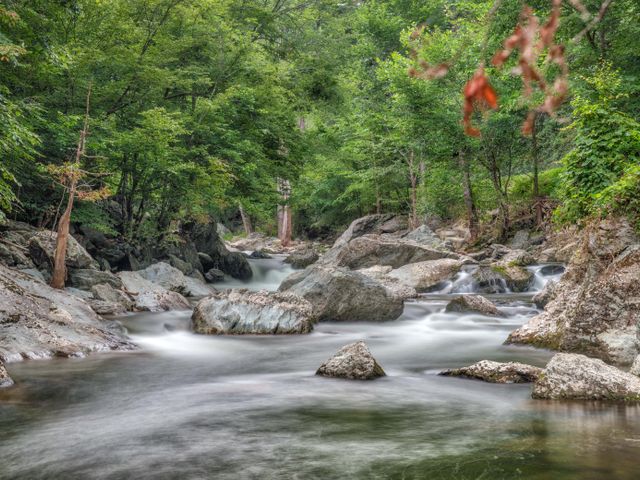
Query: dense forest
column 209, row 108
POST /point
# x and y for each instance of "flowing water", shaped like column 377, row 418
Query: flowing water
column 250, row 407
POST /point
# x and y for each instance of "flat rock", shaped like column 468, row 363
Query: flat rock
column 354, row 362
column 578, row 377
column 37, row 321
column 473, row 304
column 497, row 372
column 245, row 312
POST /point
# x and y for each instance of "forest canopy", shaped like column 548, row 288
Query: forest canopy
column 204, row 109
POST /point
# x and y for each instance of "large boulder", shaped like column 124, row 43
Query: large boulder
column 544, row 296
column 37, row 321
column 166, row 276
column 354, row 362
column 86, row 278
column 194, row 287
column 394, row 286
column 369, row 250
column 595, row 308
column 577, row 377
column 424, row 275
column 206, row 240
column 339, row 294
column 42, row 247
column 106, row 293
column 150, row 296
column 5, row 379
column 302, row 259
column 246, row 312
column 378, row 224
column 423, row 235
column 473, row 304
column 497, row 372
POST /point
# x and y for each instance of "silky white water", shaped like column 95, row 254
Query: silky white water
column 250, row 407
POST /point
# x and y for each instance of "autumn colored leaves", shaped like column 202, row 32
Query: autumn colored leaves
column 531, row 41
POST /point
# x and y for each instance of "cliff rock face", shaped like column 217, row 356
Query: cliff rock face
column 595, row 308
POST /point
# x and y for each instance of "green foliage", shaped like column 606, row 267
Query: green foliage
column 549, row 183
column 599, row 171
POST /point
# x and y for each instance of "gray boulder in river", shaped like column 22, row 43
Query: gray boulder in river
column 594, row 307
column 339, row 294
column 496, row 372
column 577, row 377
column 37, row 321
column 473, row 304
column 245, row 312
column 635, row 368
column 354, row 362
column 424, row 275
column 302, row 259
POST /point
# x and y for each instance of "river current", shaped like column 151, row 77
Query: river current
column 250, row 407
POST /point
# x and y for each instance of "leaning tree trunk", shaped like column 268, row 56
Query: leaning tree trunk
column 59, row 268
column 470, row 205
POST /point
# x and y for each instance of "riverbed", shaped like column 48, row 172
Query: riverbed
column 250, row 407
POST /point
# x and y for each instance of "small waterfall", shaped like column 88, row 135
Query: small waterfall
column 545, row 273
column 268, row 273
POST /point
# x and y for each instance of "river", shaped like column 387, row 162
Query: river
column 250, row 407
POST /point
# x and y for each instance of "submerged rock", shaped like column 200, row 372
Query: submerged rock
column 259, row 254
column 302, row 259
column 214, row 275
column 473, row 304
column 150, row 296
column 339, row 294
column 577, row 377
column 246, row 312
column 595, row 308
column 37, row 321
column 5, row 379
column 353, row 361
column 497, row 372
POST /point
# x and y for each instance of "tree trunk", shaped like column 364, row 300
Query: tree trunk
column 246, row 221
column 413, row 180
column 470, row 205
column 59, row 275
column 71, row 176
column 536, row 184
column 284, row 213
